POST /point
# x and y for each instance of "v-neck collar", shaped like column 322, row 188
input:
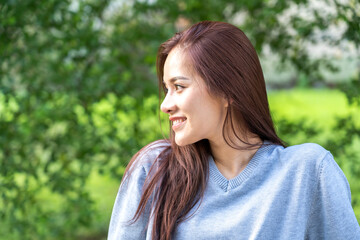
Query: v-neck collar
column 226, row 184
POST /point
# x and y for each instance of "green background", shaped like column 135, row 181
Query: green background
column 78, row 96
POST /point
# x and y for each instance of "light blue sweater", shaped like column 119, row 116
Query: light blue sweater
column 297, row 192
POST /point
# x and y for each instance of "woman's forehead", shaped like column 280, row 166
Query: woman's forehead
column 177, row 64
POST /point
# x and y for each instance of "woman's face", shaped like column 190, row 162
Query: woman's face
column 195, row 115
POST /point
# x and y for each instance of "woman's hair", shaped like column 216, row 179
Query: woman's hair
column 224, row 58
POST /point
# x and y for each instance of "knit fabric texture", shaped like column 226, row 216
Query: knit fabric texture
column 298, row 192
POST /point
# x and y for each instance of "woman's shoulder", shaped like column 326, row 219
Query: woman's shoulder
column 146, row 157
column 303, row 163
column 306, row 150
column 307, row 155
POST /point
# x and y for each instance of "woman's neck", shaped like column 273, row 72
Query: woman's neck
column 230, row 161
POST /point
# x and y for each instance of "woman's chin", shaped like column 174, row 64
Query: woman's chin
column 181, row 141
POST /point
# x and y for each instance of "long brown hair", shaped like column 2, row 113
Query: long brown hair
column 224, row 58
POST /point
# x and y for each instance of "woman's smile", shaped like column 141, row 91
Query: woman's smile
column 178, row 122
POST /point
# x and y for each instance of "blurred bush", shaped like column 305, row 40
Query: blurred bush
column 77, row 79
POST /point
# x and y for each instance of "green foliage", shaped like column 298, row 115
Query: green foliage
column 55, row 148
column 71, row 99
column 77, row 84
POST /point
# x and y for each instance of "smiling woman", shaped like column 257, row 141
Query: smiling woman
column 224, row 173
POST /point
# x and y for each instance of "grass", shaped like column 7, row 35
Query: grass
column 318, row 105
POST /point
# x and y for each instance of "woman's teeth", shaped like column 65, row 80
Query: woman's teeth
column 178, row 121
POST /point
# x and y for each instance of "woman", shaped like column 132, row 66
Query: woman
column 224, row 173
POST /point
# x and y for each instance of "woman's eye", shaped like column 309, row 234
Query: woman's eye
column 178, row 87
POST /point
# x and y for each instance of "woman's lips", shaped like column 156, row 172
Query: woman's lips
column 178, row 122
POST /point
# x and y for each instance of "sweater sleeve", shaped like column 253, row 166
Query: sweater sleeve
column 126, row 204
column 332, row 216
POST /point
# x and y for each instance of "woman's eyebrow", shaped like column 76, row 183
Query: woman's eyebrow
column 173, row 79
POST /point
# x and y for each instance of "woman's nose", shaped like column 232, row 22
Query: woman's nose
column 168, row 105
